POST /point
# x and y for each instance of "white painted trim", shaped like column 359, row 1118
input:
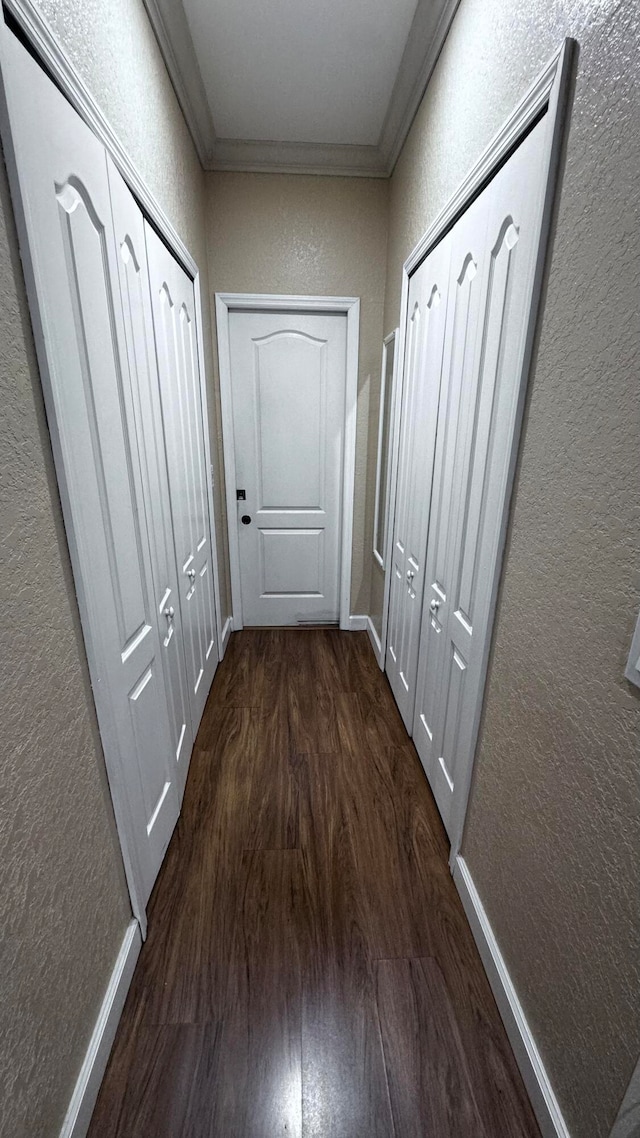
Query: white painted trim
column 207, row 422
column 85, row 1093
column 548, row 93
column 357, row 623
column 171, row 29
column 627, row 1123
column 632, row 670
column 47, row 48
column 429, row 30
column 381, row 557
column 256, row 156
column 226, row 633
column 532, row 1069
column 350, row 306
column 394, row 453
column 376, row 643
column 426, row 37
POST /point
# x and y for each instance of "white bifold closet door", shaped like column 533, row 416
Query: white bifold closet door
column 173, row 304
column 70, row 261
column 128, row 223
column 493, row 261
column 423, row 363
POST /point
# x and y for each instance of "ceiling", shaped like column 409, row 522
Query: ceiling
column 322, row 86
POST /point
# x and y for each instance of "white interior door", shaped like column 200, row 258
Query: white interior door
column 288, row 379
column 131, row 254
column 495, row 242
column 173, row 304
column 69, row 253
column 422, row 376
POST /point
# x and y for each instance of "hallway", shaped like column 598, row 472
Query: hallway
column 309, row 969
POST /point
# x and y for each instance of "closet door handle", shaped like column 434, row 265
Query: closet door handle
column 191, row 574
column 170, row 613
column 434, row 606
column 410, row 576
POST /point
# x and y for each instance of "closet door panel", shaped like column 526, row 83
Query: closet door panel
column 441, row 670
column 465, row 550
column 423, row 356
column 131, row 254
column 72, row 277
column 173, row 305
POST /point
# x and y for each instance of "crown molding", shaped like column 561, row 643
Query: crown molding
column 171, row 29
column 297, row 158
column 428, row 32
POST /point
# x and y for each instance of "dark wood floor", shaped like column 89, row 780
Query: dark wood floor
column 309, row 970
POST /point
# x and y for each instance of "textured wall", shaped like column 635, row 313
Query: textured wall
column 553, row 834
column 63, row 903
column 279, row 233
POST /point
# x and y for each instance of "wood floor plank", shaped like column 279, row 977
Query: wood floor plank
column 311, row 720
column 184, row 964
column 502, row 1100
column 150, row 1084
column 309, row 848
column 344, row 1085
column 429, row 1084
column 257, row 1090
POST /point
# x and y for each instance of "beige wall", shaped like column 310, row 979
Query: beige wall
column 63, row 904
column 275, row 233
column 553, row 835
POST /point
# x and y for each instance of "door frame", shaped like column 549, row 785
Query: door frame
column 227, row 302
column 50, row 54
column 549, row 96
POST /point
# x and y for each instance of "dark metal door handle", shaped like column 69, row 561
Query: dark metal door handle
column 246, row 520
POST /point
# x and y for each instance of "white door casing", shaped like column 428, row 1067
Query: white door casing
column 173, row 305
column 288, row 392
column 477, row 432
column 226, row 303
column 131, row 253
column 424, row 345
column 68, row 249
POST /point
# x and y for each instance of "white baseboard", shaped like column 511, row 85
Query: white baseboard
column 627, row 1123
column 227, row 629
column 528, row 1058
column 85, row 1093
column 376, row 643
column 358, row 623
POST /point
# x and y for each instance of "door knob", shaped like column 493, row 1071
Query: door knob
column 410, row 575
column 170, row 612
column 434, row 606
column 191, row 574
column 246, row 520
